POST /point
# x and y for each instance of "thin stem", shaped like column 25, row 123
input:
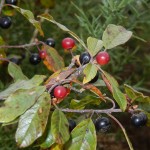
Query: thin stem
column 123, row 129
column 21, row 46
column 1, row 5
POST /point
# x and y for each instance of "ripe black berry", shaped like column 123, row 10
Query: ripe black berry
column 84, row 58
column 139, row 120
column 5, row 22
column 50, row 42
column 102, row 124
column 95, row 78
column 15, row 60
column 11, row 2
column 72, row 124
column 35, row 59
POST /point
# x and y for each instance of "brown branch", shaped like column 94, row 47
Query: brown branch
column 22, row 46
column 106, row 111
column 1, row 5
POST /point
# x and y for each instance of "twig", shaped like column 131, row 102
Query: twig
column 106, row 111
column 1, row 5
column 21, row 46
column 123, row 129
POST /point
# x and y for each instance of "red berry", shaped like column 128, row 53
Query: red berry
column 60, row 92
column 43, row 54
column 102, row 58
column 68, row 43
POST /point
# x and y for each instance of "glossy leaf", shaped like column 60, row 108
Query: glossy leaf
column 94, row 45
column 33, row 122
column 29, row 15
column 18, row 102
column 90, row 72
column 60, row 127
column 16, row 72
column 115, row 35
column 48, row 139
column 62, row 27
column 23, row 84
column 83, row 136
column 135, row 95
column 53, row 60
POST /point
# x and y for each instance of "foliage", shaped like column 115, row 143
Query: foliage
column 42, row 119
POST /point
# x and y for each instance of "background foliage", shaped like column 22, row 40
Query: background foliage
column 129, row 63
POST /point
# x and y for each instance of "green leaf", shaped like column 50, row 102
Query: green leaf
column 48, row 3
column 83, row 136
column 33, row 122
column 60, row 127
column 16, row 72
column 23, row 84
column 115, row 35
column 135, row 95
column 120, row 98
column 90, row 72
column 29, row 15
column 87, row 100
column 94, row 45
column 18, row 103
column 62, row 27
column 117, row 94
column 48, row 140
column 53, row 60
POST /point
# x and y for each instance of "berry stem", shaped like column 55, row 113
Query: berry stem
column 123, row 129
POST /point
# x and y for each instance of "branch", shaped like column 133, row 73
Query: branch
column 106, row 111
column 1, row 5
column 22, row 46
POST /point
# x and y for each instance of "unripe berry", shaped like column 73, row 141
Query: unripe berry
column 102, row 58
column 42, row 54
column 68, row 43
column 60, row 92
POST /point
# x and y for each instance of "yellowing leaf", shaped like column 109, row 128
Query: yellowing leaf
column 53, row 60
column 115, row 35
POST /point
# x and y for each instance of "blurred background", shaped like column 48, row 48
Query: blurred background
column 130, row 63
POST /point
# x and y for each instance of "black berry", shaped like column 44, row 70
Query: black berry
column 50, row 42
column 72, row 124
column 84, row 58
column 5, row 22
column 11, row 2
column 35, row 59
column 95, row 78
column 139, row 120
column 102, row 124
column 15, row 60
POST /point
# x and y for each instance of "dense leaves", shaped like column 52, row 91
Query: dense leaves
column 18, row 102
column 83, row 136
column 33, row 122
